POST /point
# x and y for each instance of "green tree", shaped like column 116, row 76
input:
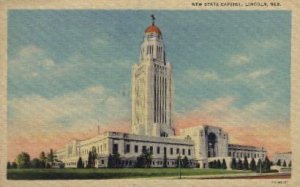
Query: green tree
column 80, row 163
column 233, row 164
column 94, row 156
column 290, row 164
column 145, row 159
column 177, row 162
column 185, row 162
column 215, row 164
column 245, row 164
column 218, row 164
column 165, row 160
column 90, row 160
column 43, row 160
column 113, row 160
column 252, row 165
column 239, row 165
column 14, row 165
column 224, row 165
column 259, row 166
column 8, row 166
column 278, row 162
column 35, row 163
column 23, row 160
column 267, row 165
column 284, row 164
column 50, row 158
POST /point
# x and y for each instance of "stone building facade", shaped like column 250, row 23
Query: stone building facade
column 151, row 126
column 283, row 157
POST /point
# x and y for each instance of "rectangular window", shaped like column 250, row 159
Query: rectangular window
column 115, row 148
column 151, row 149
column 189, row 152
column 102, row 161
column 136, row 148
column 177, row 151
column 183, row 151
column 127, row 148
column 158, row 150
column 171, row 151
column 229, row 153
column 144, row 148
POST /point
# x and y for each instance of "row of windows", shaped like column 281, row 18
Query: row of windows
column 171, row 150
column 71, row 163
column 150, row 50
column 99, row 149
column 248, row 155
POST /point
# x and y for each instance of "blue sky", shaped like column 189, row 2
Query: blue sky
column 80, row 61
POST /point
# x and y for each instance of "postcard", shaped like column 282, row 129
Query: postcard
column 149, row 93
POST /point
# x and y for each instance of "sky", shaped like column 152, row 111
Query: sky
column 70, row 70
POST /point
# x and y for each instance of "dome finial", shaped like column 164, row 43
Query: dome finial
column 153, row 19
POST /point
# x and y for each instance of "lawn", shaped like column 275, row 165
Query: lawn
column 119, row 173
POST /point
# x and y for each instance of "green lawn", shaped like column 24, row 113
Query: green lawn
column 32, row 174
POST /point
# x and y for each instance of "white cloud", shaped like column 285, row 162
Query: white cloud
column 77, row 110
column 253, row 74
column 224, row 112
column 259, row 73
column 239, row 59
column 31, row 62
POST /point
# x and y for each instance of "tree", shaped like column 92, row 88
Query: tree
column 113, row 160
column 50, row 158
column 252, row 165
column 94, row 156
column 284, row 164
column 278, row 162
column 267, row 165
column 165, row 160
column 245, row 164
column 35, row 163
column 259, row 166
column 290, row 164
column 14, row 165
column 214, row 165
column 224, row 165
column 239, row 165
column 43, row 160
column 233, row 163
column 8, row 166
column 145, row 159
column 185, row 162
column 90, row 161
column 218, row 165
column 23, row 160
column 80, row 163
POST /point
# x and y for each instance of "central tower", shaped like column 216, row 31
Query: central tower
column 152, row 87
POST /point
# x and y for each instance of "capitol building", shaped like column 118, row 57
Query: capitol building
column 151, row 123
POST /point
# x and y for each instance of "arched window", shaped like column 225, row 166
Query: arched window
column 211, row 145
